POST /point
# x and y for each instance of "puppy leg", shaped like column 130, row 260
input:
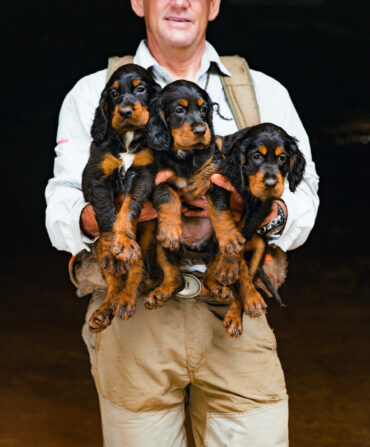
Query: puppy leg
column 125, row 303
column 211, row 280
column 124, row 245
column 168, row 205
column 108, row 263
column 254, row 304
column 233, row 320
column 229, row 238
column 172, row 283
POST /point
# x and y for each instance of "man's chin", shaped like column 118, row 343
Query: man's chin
column 178, row 38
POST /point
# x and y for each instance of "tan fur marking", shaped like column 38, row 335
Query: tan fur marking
column 180, row 182
column 123, row 223
column 136, row 82
column 115, row 84
column 144, row 158
column 137, row 120
column 200, row 102
column 257, row 244
column 109, row 164
column 279, row 150
column 263, row 150
column 219, row 143
column 184, row 138
column 258, row 189
column 200, row 183
column 184, row 102
column 169, row 222
column 229, row 238
column 254, row 305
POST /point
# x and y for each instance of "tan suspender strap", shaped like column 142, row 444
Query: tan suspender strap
column 115, row 62
column 239, row 88
column 239, row 92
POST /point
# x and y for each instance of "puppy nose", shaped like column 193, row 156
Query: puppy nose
column 125, row 112
column 199, row 130
column 270, row 182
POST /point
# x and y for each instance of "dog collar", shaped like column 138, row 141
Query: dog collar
column 275, row 225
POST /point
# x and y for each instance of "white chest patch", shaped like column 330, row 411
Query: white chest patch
column 127, row 160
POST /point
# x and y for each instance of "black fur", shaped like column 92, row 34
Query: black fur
column 98, row 188
column 244, row 162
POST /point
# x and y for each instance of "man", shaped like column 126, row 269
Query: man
column 144, row 367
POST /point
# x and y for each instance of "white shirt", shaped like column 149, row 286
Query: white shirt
column 63, row 193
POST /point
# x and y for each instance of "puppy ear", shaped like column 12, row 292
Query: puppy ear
column 229, row 141
column 158, row 134
column 232, row 168
column 100, row 124
column 297, row 165
column 156, row 87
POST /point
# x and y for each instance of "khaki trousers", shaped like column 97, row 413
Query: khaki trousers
column 143, row 368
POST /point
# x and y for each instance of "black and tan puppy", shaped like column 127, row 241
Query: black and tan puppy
column 258, row 160
column 180, row 131
column 120, row 162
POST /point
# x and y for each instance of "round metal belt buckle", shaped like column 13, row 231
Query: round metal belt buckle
column 192, row 286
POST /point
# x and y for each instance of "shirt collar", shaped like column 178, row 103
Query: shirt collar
column 144, row 58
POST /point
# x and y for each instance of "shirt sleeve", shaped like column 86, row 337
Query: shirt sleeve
column 277, row 107
column 63, row 193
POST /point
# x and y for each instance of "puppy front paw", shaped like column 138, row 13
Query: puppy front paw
column 231, row 242
column 170, row 235
column 125, row 249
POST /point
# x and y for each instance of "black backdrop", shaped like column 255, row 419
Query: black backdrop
column 319, row 52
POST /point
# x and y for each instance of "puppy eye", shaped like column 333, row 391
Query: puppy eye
column 257, row 157
column 114, row 93
column 180, row 110
column 282, row 158
column 140, row 89
column 204, row 109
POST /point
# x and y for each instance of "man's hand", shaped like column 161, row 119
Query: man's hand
column 88, row 223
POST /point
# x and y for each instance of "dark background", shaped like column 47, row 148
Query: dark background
column 320, row 51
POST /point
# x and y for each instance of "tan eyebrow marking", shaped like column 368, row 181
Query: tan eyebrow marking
column 115, row 84
column 184, row 102
column 136, row 82
column 263, row 150
column 200, row 101
column 279, row 150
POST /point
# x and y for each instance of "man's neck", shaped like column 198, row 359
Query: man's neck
column 181, row 63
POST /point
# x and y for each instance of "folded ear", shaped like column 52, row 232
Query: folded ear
column 100, row 124
column 158, row 134
column 229, row 141
column 156, row 87
column 297, row 165
column 232, row 168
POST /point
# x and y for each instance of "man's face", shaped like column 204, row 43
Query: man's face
column 177, row 23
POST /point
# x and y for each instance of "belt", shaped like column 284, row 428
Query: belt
column 193, row 287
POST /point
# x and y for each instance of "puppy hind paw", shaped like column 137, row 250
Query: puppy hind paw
column 233, row 324
column 125, row 310
column 254, row 305
column 100, row 319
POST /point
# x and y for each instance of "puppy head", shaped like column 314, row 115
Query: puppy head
column 180, row 118
column 259, row 158
column 124, row 102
